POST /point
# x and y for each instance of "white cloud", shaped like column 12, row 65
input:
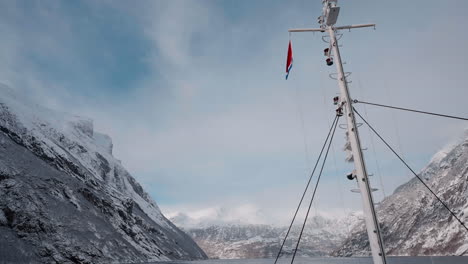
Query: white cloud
column 244, row 214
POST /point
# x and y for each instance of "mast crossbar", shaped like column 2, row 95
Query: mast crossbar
column 307, row 30
column 336, row 28
column 355, row 26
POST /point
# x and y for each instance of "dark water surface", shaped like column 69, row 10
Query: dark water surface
column 363, row 260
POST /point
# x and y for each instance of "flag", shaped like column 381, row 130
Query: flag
column 289, row 60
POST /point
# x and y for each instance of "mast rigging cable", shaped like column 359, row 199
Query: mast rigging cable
column 316, row 186
column 411, row 110
column 415, row 174
column 335, row 122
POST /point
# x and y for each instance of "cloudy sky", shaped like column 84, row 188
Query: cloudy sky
column 193, row 92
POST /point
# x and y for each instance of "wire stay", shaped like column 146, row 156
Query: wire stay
column 315, row 188
column 415, row 174
column 335, row 121
column 411, row 110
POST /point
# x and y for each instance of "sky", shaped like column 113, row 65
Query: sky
column 194, row 97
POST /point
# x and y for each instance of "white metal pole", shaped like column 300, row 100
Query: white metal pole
column 372, row 224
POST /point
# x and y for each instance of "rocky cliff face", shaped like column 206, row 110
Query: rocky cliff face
column 65, row 198
column 235, row 240
column 413, row 221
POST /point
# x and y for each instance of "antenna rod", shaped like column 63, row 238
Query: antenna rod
column 327, row 21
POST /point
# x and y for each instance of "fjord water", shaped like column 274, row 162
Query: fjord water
column 357, row 260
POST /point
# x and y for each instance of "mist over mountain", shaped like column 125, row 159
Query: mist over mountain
column 65, row 198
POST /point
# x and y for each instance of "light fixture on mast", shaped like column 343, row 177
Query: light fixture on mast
column 327, row 23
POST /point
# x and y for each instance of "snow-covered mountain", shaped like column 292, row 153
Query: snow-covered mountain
column 231, row 240
column 413, row 221
column 65, row 198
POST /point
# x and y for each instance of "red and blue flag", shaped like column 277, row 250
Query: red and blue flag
column 289, row 60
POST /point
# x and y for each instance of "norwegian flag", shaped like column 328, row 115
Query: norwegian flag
column 289, row 60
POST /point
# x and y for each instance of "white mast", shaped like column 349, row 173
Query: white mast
column 327, row 21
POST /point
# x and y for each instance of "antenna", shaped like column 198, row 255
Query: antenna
column 327, row 23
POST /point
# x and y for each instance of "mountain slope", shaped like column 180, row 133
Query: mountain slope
column 413, row 221
column 65, row 198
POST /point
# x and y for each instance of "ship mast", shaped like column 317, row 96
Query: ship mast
column 327, row 21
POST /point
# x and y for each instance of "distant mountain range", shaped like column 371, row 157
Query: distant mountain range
column 231, row 240
column 64, row 198
column 413, row 222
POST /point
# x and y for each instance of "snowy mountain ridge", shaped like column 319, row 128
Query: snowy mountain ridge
column 73, row 165
column 72, row 138
column 233, row 240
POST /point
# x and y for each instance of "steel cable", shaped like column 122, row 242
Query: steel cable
column 415, row 174
column 335, row 121
column 411, row 110
column 315, row 189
